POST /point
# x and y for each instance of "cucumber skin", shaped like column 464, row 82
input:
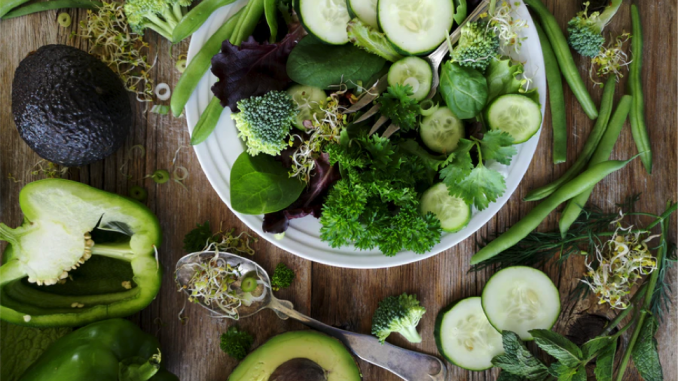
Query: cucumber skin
column 541, row 116
column 297, row 8
column 437, row 335
column 525, row 267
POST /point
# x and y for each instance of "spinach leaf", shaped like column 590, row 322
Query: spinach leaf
column 644, row 354
column 464, row 89
column 315, row 63
column 261, row 184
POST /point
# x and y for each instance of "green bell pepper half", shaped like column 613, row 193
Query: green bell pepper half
column 81, row 255
column 109, row 350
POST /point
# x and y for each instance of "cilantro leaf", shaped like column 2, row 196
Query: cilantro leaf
column 198, row 238
column 644, row 354
column 399, row 107
column 558, row 346
column 518, row 360
column 605, row 362
column 480, row 187
column 458, row 165
column 497, row 145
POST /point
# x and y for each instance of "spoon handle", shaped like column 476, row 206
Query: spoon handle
column 408, row 365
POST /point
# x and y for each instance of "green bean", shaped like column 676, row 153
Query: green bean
column 574, row 206
column 271, row 11
column 556, row 99
column 247, row 22
column 635, row 88
column 7, row 5
column 565, row 60
column 207, row 122
column 195, row 18
column 589, row 147
column 49, row 5
column 199, row 65
column 532, row 220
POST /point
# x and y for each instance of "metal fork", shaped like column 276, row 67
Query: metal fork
column 434, row 59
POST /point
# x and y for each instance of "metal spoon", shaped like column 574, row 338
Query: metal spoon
column 408, row 365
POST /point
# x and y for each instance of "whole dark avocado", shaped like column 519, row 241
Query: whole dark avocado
column 69, row 107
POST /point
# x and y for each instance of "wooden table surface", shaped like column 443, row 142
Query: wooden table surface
column 337, row 296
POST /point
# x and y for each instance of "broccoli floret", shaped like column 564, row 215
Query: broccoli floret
column 282, row 277
column 264, row 122
column 236, row 342
column 398, row 314
column 585, row 30
column 161, row 16
column 478, row 46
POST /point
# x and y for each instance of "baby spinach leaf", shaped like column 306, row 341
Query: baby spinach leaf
column 557, row 346
column 645, row 355
column 315, row 63
column 260, row 184
column 464, row 89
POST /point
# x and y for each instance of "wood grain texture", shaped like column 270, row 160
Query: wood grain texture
column 344, row 297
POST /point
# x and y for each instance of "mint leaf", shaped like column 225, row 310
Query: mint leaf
column 518, row 360
column 591, row 348
column 580, row 375
column 497, row 145
column 605, row 362
column 506, row 376
column 558, row 346
column 562, row 372
column 644, row 354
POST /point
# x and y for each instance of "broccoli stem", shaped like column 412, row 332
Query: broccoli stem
column 158, row 25
column 411, row 334
column 160, row 30
column 178, row 11
column 121, row 250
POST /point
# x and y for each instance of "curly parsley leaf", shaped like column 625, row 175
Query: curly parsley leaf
column 198, row 238
column 236, row 342
column 399, row 107
column 497, row 145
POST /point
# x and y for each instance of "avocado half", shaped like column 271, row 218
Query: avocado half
column 69, row 107
column 326, row 352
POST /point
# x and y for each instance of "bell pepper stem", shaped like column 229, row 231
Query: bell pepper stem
column 131, row 370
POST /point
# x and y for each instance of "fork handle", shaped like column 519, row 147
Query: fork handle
column 408, row 365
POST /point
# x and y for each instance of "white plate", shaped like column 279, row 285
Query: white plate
column 218, row 153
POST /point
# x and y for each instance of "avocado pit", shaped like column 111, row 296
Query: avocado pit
column 299, row 369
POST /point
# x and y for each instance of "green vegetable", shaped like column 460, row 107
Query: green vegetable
column 49, row 5
column 530, row 222
column 565, row 60
column 112, row 349
column 160, row 176
column 7, row 5
column 478, row 46
column 373, row 41
column 162, row 16
column 261, row 184
column 602, row 153
column 464, row 90
column 101, row 244
column 64, row 19
column 282, row 277
column 644, row 353
column 501, row 76
column 400, row 314
column 249, row 282
column 314, row 63
column 21, row 346
column 194, row 19
column 247, row 22
column 265, row 121
column 556, row 99
column 518, row 360
column 138, row 193
column 376, row 204
column 236, row 342
column 270, row 11
column 397, row 105
column 635, row 89
column 586, row 30
column 589, row 147
column 198, row 238
column 199, row 65
column 207, row 122
column 460, row 11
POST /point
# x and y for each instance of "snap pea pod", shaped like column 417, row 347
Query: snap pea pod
column 8, row 5
column 556, row 98
column 564, row 57
column 49, row 5
column 635, row 88
column 574, row 206
column 199, row 65
column 271, row 11
column 247, row 21
column 195, row 18
column 589, row 147
column 207, row 122
column 532, row 220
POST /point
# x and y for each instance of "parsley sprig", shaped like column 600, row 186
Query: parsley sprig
column 399, row 107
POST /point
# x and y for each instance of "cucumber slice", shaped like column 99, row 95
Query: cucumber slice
column 465, row 337
column 309, row 99
column 452, row 212
column 325, row 19
column 519, row 299
column 365, row 10
column 412, row 71
column 441, row 130
column 515, row 114
column 415, row 27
